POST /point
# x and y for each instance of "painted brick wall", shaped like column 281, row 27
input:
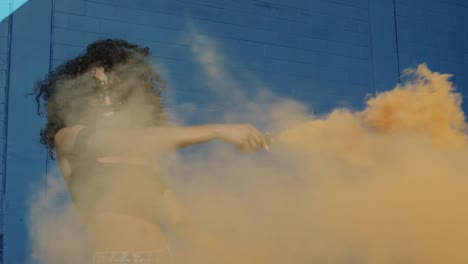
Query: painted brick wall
column 25, row 158
column 435, row 32
column 316, row 51
column 322, row 52
column 4, row 47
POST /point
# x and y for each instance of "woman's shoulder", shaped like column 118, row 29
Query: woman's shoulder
column 64, row 139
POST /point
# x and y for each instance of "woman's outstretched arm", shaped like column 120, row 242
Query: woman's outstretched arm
column 154, row 139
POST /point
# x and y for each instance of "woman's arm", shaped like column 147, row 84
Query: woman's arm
column 157, row 138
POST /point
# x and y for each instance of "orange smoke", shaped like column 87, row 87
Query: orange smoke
column 384, row 185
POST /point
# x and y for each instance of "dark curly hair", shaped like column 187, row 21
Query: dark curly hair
column 67, row 89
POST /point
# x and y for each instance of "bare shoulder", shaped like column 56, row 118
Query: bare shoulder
column 64, row 139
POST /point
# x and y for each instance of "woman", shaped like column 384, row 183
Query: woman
column 106, row 123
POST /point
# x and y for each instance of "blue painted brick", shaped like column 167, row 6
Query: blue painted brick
column 148, row 33
column 441, row 7
column 333, row 47
column 168, row 51
column 319, row 58
column 239, row 6
column 56, row 63
column 258, row 35
column 212, row 3
column 3, row 61
column 244, row 50
column 3, row 44
column 318, row 72
column 145, row 17
column 430, row 17
column 4, row 28
column 99, row 10
column 163, row 6
column 350, row 37
column 245, row 19
column 2, row 86
column 182, row 66
column 115, row 28
column 292, row 3
column 2, row 95
column 363, row 4
column 220, row 29
column 272, row 9
column 70, row 21
column 334, row 9
column 105, row 1
column 65, row 52
column 70, row 6
column 3, row 77
column 202, row 12
column 73, row 37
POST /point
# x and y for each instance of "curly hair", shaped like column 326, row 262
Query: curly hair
column 66, row 90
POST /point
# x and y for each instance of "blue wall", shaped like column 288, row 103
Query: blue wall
column 318, row 51
column 435, row 32
column 322, row 52
column 4, row 38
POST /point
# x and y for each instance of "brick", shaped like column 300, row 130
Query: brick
column 99, row 10
column 152, row 18
column 3, row 44
column 66, row 52
column 73, row 37
column 332, row 47
column 262, row 8
column 362, row 4
column 211, row 3
column 441, row 7
column 349, row 38
column 3, row 62
column 334, row 9
column 56, row 63
column 315, row 71
column 70, row 6
column 328, row 60
column 183, row 66
column 259, row 35
column 239, row 6
column 244, row 50
column 112, row 2
column 70, row 21
column 142, row 32
column 168, row 51
column 243, row 18
column 274, row 10
column 430, row 17
column 114, row 29
column 202, row 12
column 3, row 77
column 163, row 6
column 4, row 28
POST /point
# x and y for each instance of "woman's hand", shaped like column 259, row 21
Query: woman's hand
column 245, row 136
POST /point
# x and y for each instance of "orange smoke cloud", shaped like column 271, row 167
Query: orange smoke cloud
column 383, row 185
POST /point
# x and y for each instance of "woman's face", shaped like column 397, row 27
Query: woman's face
column 100, row 75
column 118, row 97
column 104, row 81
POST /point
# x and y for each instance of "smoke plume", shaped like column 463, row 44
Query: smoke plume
column 382, row 185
